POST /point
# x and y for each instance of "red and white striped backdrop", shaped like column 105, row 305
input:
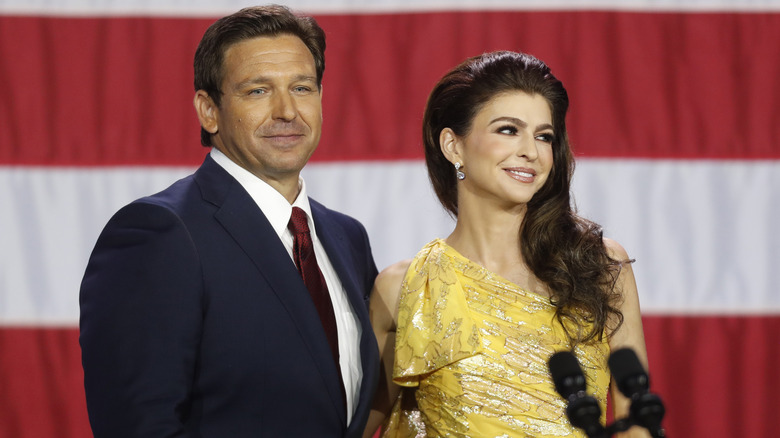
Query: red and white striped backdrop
column 675, row 120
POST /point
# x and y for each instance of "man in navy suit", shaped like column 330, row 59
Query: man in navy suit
column 195, row 320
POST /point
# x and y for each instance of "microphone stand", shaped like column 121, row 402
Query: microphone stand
column 646, row 410
column 623, row 425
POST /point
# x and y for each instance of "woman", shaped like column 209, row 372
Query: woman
column 468, row 326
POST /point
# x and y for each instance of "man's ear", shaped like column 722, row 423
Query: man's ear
column 450, row 145
column 208, row 113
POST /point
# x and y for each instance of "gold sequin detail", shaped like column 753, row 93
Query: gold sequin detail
column 476, row 347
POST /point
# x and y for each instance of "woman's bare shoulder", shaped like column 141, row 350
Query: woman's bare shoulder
column 389, row 280
column 615, row 250
column 384, row 297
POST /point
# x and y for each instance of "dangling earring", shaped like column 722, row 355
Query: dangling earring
column 460, row 175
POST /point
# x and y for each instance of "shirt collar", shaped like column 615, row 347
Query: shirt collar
column 273, row 205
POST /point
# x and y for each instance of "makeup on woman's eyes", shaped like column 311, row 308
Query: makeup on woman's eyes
column 546, row 137
column 507, row 129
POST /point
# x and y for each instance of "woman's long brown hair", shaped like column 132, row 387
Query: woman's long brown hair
column 562, row 249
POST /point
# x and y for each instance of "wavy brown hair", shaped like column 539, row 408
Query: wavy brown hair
column 562, row 249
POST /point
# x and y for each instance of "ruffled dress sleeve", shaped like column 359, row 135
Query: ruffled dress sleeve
column 435, row 327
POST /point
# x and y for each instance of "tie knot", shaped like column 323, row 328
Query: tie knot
column 298, row 222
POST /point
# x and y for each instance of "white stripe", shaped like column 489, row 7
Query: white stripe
column 50, row 221
column 210, row 8
column 394, row 200
column 703, row 232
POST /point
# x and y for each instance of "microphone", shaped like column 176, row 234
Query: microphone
column 583, row 410
column 647, row 409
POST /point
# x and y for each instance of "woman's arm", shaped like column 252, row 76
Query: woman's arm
column 629, row 335
column 383, row 311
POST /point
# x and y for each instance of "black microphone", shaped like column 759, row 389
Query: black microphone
column 583, row 410
column 647, row 409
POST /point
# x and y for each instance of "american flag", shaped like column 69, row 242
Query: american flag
column 675, row 122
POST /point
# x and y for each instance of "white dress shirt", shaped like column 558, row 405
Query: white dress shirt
column 278, row 211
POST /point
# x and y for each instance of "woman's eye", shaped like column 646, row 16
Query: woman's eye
column 547, row 138
column 510, row 130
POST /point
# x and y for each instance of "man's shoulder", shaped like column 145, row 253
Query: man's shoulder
column 207, row 182
column 334, row 222
column 173, row 195
column 322, row 211
column 179, row 200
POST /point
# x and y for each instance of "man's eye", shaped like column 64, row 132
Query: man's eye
column 256, row 91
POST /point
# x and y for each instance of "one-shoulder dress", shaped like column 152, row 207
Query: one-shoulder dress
column 476, row 348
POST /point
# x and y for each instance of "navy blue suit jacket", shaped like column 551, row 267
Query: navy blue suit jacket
column 196, row 323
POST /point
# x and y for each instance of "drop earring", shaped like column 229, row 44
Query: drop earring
column 460, row 175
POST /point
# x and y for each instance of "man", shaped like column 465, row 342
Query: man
column 201, row 312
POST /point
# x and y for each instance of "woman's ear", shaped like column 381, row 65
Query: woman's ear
column 450, row 145
column 207, row 112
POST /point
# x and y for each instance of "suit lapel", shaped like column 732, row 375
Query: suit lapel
column 337, row 245
column 245, row 222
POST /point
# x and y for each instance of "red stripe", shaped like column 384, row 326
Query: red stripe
column 717, row 376
column 113, row 91
column 41, row 384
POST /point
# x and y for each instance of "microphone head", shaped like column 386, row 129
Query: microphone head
column 585, row 413
column 582, row 410
column 631, row 377
column 647, row 410
column 566, row 373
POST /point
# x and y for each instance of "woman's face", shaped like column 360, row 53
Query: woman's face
column 507, row 156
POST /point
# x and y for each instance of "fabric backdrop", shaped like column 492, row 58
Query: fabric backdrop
column 675, row 121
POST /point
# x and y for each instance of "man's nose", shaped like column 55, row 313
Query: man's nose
column 283, row 107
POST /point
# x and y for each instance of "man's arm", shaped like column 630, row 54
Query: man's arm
column 140, row 324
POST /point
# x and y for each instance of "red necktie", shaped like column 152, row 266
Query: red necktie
column 303, row 253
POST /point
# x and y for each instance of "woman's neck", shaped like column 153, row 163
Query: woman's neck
column 490, row 237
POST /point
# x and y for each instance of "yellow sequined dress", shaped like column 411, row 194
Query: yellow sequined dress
column 476, row 347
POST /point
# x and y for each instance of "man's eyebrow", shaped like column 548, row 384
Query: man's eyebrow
column 267, row 79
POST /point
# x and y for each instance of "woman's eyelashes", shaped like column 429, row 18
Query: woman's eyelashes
column 546, row 137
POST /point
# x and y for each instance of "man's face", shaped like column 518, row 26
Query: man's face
column 270, row 116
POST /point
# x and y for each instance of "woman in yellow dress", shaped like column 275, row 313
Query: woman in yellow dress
column 466, row 328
